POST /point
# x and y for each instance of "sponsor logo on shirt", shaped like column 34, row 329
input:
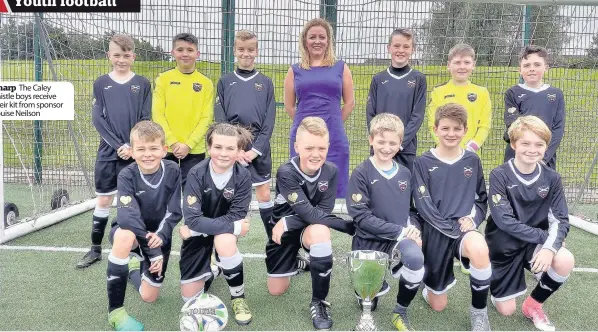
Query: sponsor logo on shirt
column 521, row 95
column 385, row 81
column 197, row 87
column 496, row 198
column 293, row 197
column 259, row 87
column 403, row 185
column 452, row 95
column 467, row 171
column 175, row 83
column 191, row 200
column 411, row 84
column 472, row 97
column 323, row 186
column 543, row 191
column 422, row 192
column 135, row 88
column 107, row 87
column 228, row 193
column 551, row 97
column 125, row 200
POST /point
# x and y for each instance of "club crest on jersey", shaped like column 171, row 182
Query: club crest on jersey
column 293, row 197
column 511, row 110
column 323, row 186
column 551, row 97
column 467, row 171
column 411, row 84
column 543, row 191
column 356, row 198
column 228, row 193
column 259, row 87
column 125, row 200
column 197, row 87
column 403, row 185
column 472, row 97
column 191, row 200
column 135, row 88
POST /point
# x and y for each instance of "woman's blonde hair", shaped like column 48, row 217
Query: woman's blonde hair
column 329, row 56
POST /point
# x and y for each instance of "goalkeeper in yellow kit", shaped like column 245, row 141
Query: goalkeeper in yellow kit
column 475, row 98
column 183, row 104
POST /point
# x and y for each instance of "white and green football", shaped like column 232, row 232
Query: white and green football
column 205, row 312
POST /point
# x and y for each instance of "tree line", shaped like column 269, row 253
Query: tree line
column 16, row 43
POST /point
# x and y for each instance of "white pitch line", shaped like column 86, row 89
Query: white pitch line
column 84, row 250
column 177, row 253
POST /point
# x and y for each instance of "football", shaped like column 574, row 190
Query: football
column 203, row 313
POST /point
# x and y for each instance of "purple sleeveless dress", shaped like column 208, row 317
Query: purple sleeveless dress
column 319, row 93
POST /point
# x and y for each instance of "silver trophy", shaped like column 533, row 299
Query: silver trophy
column 367, row 269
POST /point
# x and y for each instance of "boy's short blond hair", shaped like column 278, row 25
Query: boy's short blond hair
column 453, row 111
column 125, row 42
column 313, row 125
column 244, row 35
column 461, row 50
column 529, row 123
column 387, row 122
column 148, row 131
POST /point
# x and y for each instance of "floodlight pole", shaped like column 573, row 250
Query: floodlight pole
column 227, row 58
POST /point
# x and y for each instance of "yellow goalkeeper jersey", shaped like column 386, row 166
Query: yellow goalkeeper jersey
column 183, row 104
column 476, row 101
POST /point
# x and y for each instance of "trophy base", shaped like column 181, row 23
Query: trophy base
column 366, row 323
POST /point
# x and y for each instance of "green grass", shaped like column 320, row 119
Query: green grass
column 43, row 290
column 575, row 154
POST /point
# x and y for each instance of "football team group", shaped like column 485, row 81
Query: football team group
column 184, row 150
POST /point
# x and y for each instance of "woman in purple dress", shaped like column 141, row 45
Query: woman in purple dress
column 315, row 87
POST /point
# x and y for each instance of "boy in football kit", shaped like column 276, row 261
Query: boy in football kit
column 121, row 99
column 400, row 90
column 379, row 200
column 450, row 196
column 305, row 196
column 149, row 207
column 528, row 223
column 183, row 105
column 459, row 89
column 215, row 206
column 533, row 97
column 246, row 97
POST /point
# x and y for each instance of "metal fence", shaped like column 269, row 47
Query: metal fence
column 50, row 155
